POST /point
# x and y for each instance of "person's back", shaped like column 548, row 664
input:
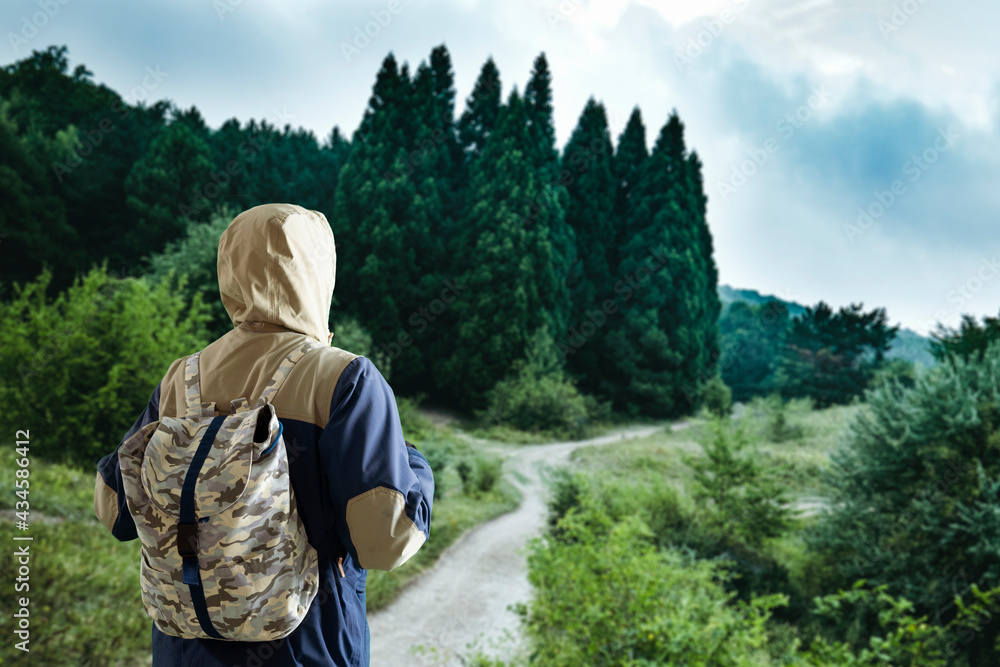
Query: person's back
column 364, row 497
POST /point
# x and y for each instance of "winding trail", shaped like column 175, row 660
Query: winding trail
column 464, row 597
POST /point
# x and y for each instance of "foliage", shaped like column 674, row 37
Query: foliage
column 900, row 638
column 666, row 337
column 739, row 496
column 166, row 186
column 78, row 366
column 514, row 235
column 916, row 492
column 832, row 357
column 717, row 398
column 538, row 396
column 605, row 595
column 587, row 163
column 752, row 337
column 970, row 340
column 194, row 258
column 776, row 413
column 903, row 370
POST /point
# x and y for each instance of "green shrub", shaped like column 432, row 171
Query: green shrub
column 739, row 497
column 774, row 413
column 605, row 595
column 194, row 258
column 915, row 492
column 540, row 404
column 539, row 397
column 77, row 369
column 717, row 398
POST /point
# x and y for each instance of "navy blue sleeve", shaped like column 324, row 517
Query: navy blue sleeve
column 381, row 489
column 111, row 494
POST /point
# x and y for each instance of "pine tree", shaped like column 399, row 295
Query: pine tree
column 541, row 126
column 376, row 270
column 915, row 495
column 629, row 162
column 171, row 184
column 659, row 360
column 482, row 109
column 588, row 161
column 516, row 282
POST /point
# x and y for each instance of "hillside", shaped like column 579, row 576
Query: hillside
column 908, row 345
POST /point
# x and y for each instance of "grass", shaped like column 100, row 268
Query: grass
column 658, row 459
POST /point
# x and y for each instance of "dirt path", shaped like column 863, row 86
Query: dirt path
column 464, row 597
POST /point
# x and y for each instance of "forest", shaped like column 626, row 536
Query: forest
column 541, row 293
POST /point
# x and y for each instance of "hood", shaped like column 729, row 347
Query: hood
column 278, row 264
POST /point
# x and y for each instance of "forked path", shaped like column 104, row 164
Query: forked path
column 464, row 598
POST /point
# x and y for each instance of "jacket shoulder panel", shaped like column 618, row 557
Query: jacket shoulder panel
column 234, row 368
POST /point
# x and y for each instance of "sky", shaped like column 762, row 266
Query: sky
column 851, row 149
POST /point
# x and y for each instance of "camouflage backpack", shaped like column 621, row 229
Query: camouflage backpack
column 224, row 554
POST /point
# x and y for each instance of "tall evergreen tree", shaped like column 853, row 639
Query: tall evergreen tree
column 482, row 108
column 657, row 338
column 541, row 125
column 32, row 219
column 704, row 304
column 590, row 184
column 628, row 163
column 376, row 271
column 174, row 173
column 516, row 278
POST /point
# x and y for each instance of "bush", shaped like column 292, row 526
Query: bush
column 740, row 498
column 78, row 369
column 774, row 412
column 194, row 258
column 479, row 474
column 539, row 397
column 717, row 398
column 605, row 595
column 915, row 492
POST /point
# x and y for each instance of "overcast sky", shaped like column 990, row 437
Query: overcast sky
column 805, row 113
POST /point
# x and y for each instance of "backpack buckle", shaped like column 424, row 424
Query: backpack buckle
column 187, row 539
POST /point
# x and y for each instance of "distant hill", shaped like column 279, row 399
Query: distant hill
column 908, row 343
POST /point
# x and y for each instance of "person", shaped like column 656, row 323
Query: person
column 364, row 495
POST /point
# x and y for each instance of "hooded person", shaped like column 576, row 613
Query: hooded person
column 363, row 494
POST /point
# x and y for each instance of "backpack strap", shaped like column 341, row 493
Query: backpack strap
column 192, row 379
column 285, row 367
column 192, row 387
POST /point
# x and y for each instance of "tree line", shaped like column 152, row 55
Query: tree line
column 459, row 238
